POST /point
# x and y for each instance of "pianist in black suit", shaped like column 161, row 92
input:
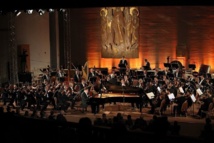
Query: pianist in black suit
column 97, row 89
column 85, row 97
column 123, row 65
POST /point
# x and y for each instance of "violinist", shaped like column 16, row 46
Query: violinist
column 202, row 83
column 74, row 93
column 206, row 99
column 83, row 84
column 99, row 86
column 179, row 100
column 161, row 98
column 61, row 75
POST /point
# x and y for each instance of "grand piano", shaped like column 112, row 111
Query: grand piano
column 115, row 94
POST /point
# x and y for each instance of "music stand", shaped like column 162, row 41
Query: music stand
column 150, row 74
column 192, row 66
column 53, row 74
column 140, row 72
column 150, row 95
column 170, row 76
column 199, row 91
column 161, row 82
column 147, row 79
column 146, row 68
column 160, row 74
column 140, row 76
column 167, row 65
column 181, row 89
column 159, row 89
column 171, row 96
column 192, row 96
column 174, row 66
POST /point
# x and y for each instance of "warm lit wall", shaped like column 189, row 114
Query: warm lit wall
column 162, row 30
column 183, row 33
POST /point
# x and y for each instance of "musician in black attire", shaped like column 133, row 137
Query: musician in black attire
column 92, row 75
column 179, row 101
column 140, row 102
column 202, row 84
column 172, row 88
column 29, row 100
column 147, row 65
column 96, row 91
column 39, row 98
column 77, row 76
column 85, row 99
column 151, row 88
column 49, row 99
column 62, row 100
column 206, row 100
column 123, row 65
column 178, row 73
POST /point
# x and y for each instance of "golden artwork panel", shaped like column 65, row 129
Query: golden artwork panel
column 119, row 32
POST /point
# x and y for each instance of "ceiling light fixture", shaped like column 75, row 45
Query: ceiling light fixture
column 30, row 11
column 17, row 12
column 51, row 10
column 41, row 11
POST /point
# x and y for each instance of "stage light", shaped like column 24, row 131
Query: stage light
column 41, row 11
column 17, row 12
column 51, row 10
column 29, row 11
column 62, row 10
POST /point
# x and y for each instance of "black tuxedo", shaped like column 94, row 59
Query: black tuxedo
column 122, row 65
column 178, row 74
column 147, row 66
column 92, row 76
column 77, row 78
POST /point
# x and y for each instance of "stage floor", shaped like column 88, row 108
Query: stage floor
column 190, row 126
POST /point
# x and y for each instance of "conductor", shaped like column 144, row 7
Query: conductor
column 147, row 65
column 122, row 65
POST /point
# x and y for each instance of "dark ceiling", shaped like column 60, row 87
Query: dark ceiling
column 39, row 4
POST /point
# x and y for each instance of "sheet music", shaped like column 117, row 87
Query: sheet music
column 150, row 95
column 181, row 90
column 199, row 91
column 171, row 96
column 159, row 89
column 193, row 98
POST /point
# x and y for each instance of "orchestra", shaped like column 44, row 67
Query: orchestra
column 62, row 94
